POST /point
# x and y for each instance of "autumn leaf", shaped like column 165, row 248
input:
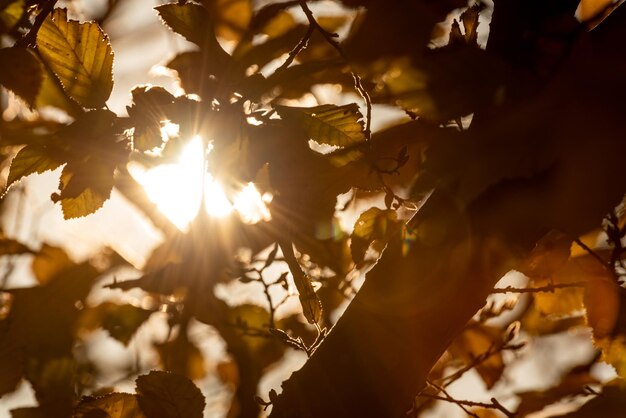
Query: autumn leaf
column 611, row 403
column 32, row 159
column 80, row 55
column 168, row 395
column 84, row 188
column 113, row 405
column 231, row 17
column 151, row 107
column 49, row 262
column 477, row 342
column 121, row 321
column 182, row 357
column 573, row 382
column 327, row 124
column 21, row 72
column 189, row 20
column 10, row 13
column 373, row 224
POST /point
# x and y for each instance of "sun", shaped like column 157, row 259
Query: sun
column 176, row 189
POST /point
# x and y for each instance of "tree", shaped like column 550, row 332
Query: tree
column 509, row 158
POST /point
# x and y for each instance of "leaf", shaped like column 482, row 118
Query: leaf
column 549, row 255
column 49, row 262
column 473, row 343
column 32, row 159
column 121, row 321
column 12, row 363
column 51, row 93
column 21, row 72
column 611, row 403
column 327, row 124
column 11, row 14
column 182, row 357
column 470, row 23
column 10, row 246
column 80, row 55
column 589, row 9
column 231, row 17
column 373, row 224
column 604, row 302
column 113, row 405
column 572, row 383
column 189, row 20
column 614, row 353
column 565, row 301
column 84, row 188
column 151, row 105
column 168, row 395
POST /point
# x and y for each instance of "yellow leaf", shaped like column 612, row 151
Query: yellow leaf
column 11, row 14
column 476, row 342
column 602, row 302
column 588, row 9
column 373, row 224
column 29, row 160
column 49, row 262
column 114, row 405
column 80, row 55
column 232, row 17
column 614, row 353
column 327, row 124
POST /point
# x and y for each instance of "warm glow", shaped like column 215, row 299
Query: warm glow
column 176, row 190
column 252, row 205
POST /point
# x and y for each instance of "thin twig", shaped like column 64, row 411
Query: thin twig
column 548, row 288
column 30, row 37
column 297, row 49
column 358, row 85
column 591, row 252
column 493, row 405
column 445, row 392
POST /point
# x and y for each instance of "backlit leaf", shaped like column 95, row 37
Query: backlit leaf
column 52, row 94
column 21, row 72
column 604, row 302
column 232, row 17
column 114, row 405
column 11, row 14
column 475, row 342
column 614, row 353
column 611, row 403
column 84, row 188
column 29, row 160
column 327, row 124
column 550, row 254
column 189, row 20
column 168, row 395
column 49, row 262
column 572, row 383
column 80, row 55
column 373, row 224
column 121, row 321
column 182, row 357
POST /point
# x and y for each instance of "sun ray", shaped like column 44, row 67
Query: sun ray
column 176, row 189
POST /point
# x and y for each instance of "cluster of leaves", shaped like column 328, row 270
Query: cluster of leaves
column 238, row 102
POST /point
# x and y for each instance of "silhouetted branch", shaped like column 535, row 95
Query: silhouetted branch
column 30, row 37
column 493, row 405
column 358, row 85
column 548, row 288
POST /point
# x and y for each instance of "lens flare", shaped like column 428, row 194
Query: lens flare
column 176, row 189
